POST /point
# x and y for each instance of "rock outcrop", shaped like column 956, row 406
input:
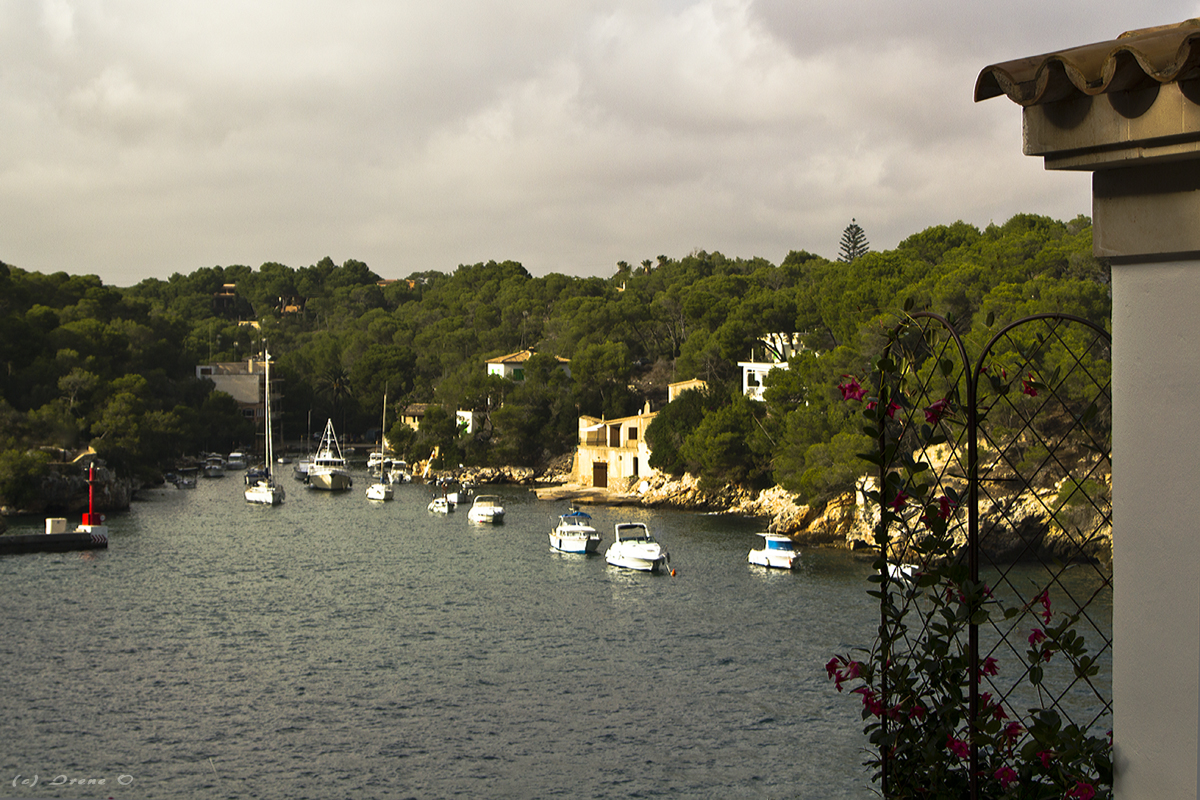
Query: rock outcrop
column 65, row 490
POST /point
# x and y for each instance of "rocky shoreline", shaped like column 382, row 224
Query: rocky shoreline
column 846, row 521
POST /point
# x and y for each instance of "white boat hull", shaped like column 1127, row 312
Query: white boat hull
column 643, row 564
column 764, row 558
column 329, row 480
column 264, row 493
column 379, row 491
column 485, row 516
column 574, row 543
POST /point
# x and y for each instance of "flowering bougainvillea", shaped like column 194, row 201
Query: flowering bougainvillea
column 914, row 683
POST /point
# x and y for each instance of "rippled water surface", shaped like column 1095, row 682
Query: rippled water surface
column 333, row 647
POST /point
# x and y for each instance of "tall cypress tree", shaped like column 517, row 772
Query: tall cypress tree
column 854, row 243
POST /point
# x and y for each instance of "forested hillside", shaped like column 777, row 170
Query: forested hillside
column 114, row 368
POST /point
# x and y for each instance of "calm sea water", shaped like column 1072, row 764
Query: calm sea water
column 336, row 648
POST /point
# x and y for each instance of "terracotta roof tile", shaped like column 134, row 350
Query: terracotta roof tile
column 1134, row 60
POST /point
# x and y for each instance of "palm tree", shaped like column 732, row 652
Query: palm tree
column 335, row 385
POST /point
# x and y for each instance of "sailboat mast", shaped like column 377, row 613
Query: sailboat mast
column 270, row 450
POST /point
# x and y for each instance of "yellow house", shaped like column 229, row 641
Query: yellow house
column 613, row 453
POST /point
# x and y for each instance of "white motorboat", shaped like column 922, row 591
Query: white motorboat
column 236, row 460
column 440, row 505
column 777, row 551
column 635, row 548
column 574, row 534
column 264, row 489
column 397, row 471
column 214, row 467
column 379, row 491
column 486, row 508
column 328, row 469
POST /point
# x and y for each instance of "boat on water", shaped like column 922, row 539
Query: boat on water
column 236, row 460
column 214, row 467
column 574, row 533
column 328, row 470
column 440, row 505
column 381, row 489
column 486, row 508
column 264, row 489
column 777, row 551
column 636, row 548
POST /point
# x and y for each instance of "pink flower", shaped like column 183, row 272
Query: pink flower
column 917, row 712
column 851, row 390
column 892, row 408
column 1028, row 387
column 989, row 667
column 1012, row 732
column 1082, row 791
column 945, row 507
column 1044, row 599
column 1045, row 756
column 1037, row 637
column 935, row 412
column 958, row 747
column 901, row 499
column 1007, row 777
column 870, row 700
column 841, row 669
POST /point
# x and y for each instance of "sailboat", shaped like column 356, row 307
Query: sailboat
column 265, row 490
column 381, row 490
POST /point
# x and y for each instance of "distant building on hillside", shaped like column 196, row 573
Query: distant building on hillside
column 773, row 350
column 512, row 366
column 244, row 381
column 613, row 453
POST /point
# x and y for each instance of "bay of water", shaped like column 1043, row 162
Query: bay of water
column 336, row 648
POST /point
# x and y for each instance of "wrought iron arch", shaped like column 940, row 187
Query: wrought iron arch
column 1020, row 437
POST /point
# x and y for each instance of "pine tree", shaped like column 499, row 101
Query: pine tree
column 854, row 243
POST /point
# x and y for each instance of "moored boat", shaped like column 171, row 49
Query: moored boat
column 328, row 470
column 574, row 533
column 487, row 509
column 777, row 551
column 379, row 491
column 636, row 548
column 440, row 505
column 262, row 488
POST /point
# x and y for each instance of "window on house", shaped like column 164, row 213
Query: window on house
column 632, row 434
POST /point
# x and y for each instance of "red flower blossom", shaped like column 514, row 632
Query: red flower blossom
column 917, row 712
column 851, row 390
column 990, row 667
column 870, row 700
column 1007, row 777
column 958, row 747
column 901, row 499
column 1044, row 599
column 1027, row 386
column 1082, row 791
column 892, row 408
column 935, row 412
column 841, row 669
column 1045, row 756
column 945, row 507
column 1037, row 637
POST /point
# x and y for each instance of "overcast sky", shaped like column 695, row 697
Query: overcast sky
column 139, row 138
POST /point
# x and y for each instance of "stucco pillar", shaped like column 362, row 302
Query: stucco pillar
column 1127, row 111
